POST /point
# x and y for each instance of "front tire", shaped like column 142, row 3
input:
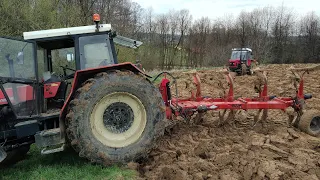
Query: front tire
column 115, row 118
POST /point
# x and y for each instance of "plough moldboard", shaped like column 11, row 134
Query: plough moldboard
column 229, row 105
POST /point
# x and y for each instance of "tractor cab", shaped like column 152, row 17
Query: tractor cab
column 241, row 60
column 240, row 55
column 62, row 52
column 49, row 59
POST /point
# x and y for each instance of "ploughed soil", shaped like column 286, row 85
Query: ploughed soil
column 236, row 150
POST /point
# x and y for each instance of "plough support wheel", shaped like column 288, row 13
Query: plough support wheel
column 310, row 122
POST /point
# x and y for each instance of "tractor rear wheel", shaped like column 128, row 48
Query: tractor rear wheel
column 243, row 69
column 115, row 118
column 310, row 122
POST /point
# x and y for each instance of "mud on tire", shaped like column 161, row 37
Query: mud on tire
column 310, row 122
column 107, row 107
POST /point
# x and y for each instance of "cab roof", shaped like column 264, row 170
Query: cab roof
column 242, row 49
column 63, row 37
column 35, row 35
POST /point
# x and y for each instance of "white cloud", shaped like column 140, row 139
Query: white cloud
column 218, row 8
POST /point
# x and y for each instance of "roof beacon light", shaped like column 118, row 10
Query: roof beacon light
column 96, row 19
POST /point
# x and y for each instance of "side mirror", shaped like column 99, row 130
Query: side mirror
column 70, row 57
column 20, row 58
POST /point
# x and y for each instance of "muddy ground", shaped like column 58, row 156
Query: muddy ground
column 237, row 150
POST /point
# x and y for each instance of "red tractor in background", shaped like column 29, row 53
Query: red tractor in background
column 241, row 61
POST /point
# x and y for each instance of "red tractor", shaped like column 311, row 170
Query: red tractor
column 241, row 61
column 111, row 113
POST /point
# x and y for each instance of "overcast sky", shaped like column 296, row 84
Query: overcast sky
column 219, row 8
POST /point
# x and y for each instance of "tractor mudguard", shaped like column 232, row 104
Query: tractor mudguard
column 82, row 75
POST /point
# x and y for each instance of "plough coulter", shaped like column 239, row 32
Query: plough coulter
column 308, row 121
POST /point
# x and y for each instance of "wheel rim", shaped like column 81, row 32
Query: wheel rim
column 315, row 123
column 118, row 119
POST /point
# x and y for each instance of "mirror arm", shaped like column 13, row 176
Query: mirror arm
column 24, row 46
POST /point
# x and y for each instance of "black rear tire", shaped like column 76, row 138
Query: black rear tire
column 85, row 115
column 310, row 122
column 243, row 69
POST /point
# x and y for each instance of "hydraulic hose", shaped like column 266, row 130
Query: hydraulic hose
column 174, row 80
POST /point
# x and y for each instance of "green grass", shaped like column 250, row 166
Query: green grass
column 62, row 166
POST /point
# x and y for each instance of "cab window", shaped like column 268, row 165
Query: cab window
column 95, row 51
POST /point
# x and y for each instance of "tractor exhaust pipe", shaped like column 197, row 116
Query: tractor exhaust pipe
column 3, row 155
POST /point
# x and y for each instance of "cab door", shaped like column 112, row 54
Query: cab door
column 18, row 78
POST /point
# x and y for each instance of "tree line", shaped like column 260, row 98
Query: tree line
column 175, row 39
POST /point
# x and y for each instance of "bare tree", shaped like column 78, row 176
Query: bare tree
column 163, row 30
column 243, row 28
column 309, row 30
column 184, row 22
column 201, row 30
column 281, row 31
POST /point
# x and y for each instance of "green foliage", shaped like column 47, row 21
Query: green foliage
column 125, row 54
column 29, row 15
column 62, row 166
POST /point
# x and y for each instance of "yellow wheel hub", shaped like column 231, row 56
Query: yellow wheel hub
column 118, row 119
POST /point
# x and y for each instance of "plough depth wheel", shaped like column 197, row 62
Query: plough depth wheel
column 310, row 122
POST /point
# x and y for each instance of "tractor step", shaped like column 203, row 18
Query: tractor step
column 50, row 140
column 53, row 150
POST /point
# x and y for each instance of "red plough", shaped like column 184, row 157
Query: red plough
column 199, row 104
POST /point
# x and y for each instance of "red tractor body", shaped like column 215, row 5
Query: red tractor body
column 25, row 92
